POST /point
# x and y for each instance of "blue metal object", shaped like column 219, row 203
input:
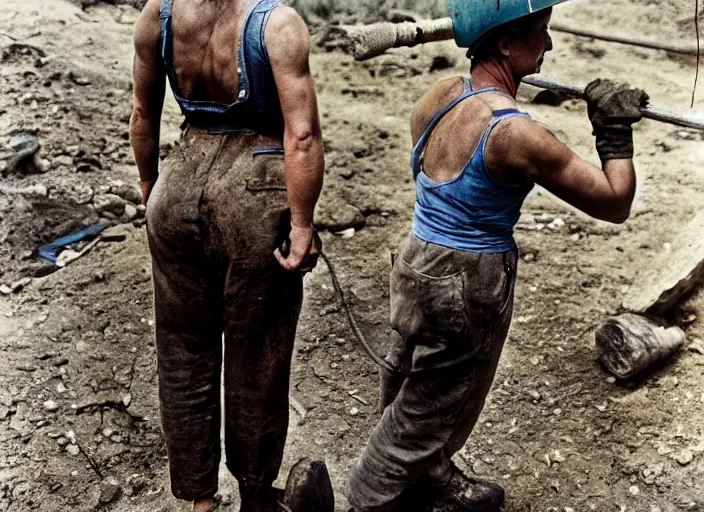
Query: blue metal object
column 473, row 19
column 50, row 252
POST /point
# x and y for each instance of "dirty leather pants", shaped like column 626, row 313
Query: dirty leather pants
column 450, row 314
column 212, row 222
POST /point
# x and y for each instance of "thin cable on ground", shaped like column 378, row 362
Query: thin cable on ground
column 696, row 27
column 353, row 322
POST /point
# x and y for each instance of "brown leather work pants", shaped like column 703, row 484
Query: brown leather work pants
column 450, row 312
column 212, row 220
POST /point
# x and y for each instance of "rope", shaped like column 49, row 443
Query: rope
column 353, row 322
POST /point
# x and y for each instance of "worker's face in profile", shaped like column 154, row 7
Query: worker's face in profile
column 527, row 53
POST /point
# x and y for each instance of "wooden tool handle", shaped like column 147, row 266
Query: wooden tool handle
column 365, row 42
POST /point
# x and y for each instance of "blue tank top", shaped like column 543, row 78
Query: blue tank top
column 257, row 107
column 472, row 212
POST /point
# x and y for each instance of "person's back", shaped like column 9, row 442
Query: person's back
column 475, row 158
column 216, row 58
column 243, row 178
column 460, row 202
column 206, row 37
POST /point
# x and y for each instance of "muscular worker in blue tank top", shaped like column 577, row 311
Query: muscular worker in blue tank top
column 244, row 176
column 475, row 159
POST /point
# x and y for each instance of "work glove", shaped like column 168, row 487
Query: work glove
column 613, row 107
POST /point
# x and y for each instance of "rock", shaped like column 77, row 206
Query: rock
column 115, row 233
column 136, row 484
column 51, row 406
column 33, row 190
column 5, row 290
column 60, row 388
column 86, row 167
column 556, row 456
column 42, row 164
column 62, row 161
column 130, row 193
column 130, row 212
column 81, row 346
column 141, row 210
column 127, row 400
column 78, row 80
column 696, row 346
column 337, row 216
column 346, row 234
column 73, row 449
column 109, row 490
column 109, row 203
column 354, row 411
column 441, row 62
column 18, row 286
column 549, row 97
column 556, row 224
column 684, row 457
column 23, row 150
column 634, row 491
column 534, row 395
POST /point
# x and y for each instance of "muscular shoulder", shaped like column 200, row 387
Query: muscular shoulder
column 287, row 38
column 433, row 101
column 521, row 146
column 147, row 32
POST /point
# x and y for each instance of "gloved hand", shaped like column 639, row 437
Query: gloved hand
column 613, row 107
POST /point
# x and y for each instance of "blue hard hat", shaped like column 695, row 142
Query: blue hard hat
column 473, row 19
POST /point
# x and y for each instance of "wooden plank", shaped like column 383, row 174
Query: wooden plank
column 676, row 272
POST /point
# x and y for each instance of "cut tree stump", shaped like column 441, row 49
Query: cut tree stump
column 629, row 343
column 676, row 272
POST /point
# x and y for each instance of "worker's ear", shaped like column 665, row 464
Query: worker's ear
column 504, row 43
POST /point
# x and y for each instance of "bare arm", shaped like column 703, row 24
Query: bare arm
column 288, row 47
column 526, row 148
column 288, row 44
column 148, row 96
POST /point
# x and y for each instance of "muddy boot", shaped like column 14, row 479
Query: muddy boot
column 466, row 494
column 308, row 488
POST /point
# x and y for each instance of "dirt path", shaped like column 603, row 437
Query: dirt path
column 78, row 398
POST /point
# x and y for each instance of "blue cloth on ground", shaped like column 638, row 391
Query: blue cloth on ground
column 51, row 251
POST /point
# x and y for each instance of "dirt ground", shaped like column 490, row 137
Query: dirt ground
column 79, row 422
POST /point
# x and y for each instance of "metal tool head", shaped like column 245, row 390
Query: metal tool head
column 474, row 19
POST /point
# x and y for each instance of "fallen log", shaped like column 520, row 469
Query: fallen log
column 672, row 275
column 629, row 343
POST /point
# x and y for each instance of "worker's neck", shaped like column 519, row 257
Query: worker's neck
column 495, row 72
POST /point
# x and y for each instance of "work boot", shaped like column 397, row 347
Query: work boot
column 308, row 488
column 466, row 494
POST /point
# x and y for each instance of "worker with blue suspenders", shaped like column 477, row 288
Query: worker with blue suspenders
column 243, row 179
column 476, row 157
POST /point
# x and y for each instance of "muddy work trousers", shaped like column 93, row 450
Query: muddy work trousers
column 213, row 222
column 450, row 314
